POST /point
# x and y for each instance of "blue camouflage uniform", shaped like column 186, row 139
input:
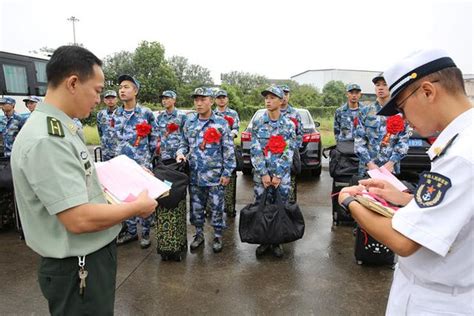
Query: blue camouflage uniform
column 10, row 128
column 234, row 129
column 170, row 141
column 106, row 129
column 292, row 113
column 126, row 135
column 207, row 167
column 344, row 119
column 368, row 140
column 278, row 165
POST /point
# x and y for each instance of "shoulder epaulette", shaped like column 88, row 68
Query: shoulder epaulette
column 54, row 127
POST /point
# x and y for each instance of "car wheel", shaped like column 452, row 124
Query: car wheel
column 316, row 172
column 247, row 171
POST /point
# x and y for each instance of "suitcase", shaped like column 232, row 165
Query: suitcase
column 367, row 250
column 339, row 215
column 293, row 194
column 171, row 232
column 7, row 210
column 229, row 197
column 171, row 224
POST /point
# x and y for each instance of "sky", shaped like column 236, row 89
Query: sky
column 277, row 39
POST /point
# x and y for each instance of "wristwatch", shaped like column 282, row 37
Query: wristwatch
column 345, row 204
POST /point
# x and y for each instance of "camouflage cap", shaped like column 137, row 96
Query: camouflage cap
column 32, row 98
column 275, row 90
column 285, row 88
column 110, row 93
column 169, row 94
column 221, row 93
column 203, row 92
column 129, row 78
column 7, row 100
column 353, row 86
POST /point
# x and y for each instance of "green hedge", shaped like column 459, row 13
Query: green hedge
column 327, row 111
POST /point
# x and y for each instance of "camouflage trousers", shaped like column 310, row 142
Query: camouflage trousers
column 7, row 209
column 293, row 189
column 200, row 196
column 144, row 222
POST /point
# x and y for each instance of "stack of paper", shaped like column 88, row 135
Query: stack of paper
column 123, row 180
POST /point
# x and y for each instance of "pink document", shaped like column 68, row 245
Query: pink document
column 123, row 179
column 383, row 174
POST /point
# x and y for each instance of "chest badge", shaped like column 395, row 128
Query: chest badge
column 431, row 189
column 83, row 155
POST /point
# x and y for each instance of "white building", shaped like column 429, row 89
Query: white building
column 319, row 77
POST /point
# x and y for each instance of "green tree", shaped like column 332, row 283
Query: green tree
column 334, row 93
column 153, row 71
column 244, row 81
column 115, row 65
column 305, row 96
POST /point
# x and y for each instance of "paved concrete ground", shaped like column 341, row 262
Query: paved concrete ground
column 317, row 276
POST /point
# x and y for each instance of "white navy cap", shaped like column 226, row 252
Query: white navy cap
column 408, row 70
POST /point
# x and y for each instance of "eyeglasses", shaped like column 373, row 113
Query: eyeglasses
column 399, row 106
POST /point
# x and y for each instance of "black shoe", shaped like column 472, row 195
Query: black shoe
column 217, row 244
column 198, row 241
column 261, row 250
column 277, row 251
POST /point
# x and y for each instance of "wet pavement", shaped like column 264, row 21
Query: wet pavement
column 317, row 276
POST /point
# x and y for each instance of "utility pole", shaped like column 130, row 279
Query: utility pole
column 73, row 19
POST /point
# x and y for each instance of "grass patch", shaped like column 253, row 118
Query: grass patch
column 91, row 135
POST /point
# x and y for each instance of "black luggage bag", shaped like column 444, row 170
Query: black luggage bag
column 171, row 225
column 262, row 223
column 370, row 251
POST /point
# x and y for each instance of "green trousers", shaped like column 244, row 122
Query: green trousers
column 59, row 283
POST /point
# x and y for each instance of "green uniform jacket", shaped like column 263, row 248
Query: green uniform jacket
column 52, row 172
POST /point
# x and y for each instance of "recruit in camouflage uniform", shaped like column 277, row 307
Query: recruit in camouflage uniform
column 295, row 117
column 231, row 188
column 208, row 164
column 274, row 165
column 369, row 137
column 12, row 122
column 170, row 137
column 136, row 147
column 347, row 119
column 106, row 127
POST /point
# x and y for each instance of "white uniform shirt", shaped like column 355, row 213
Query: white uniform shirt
column 445, row 230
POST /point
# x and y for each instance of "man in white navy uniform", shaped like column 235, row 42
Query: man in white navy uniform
column 433, row 231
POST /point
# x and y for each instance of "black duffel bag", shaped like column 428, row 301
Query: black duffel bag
column 6, row 179
column 262, row 223
column 175, row 174
column 343, row 160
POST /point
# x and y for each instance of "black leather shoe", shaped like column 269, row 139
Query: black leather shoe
column 198, row 241
column 217, row 244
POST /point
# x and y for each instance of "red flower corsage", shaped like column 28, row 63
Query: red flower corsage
column 171, row 128
column 143, row 129
column 229, row 120
column 395, row 125
column 211, row 135
column 356, row 121
column 276, row 145
column 295, row 121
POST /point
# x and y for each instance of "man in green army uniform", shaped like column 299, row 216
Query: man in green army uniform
column 65, row 217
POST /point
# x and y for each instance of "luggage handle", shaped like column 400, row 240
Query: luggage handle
column 263, row 200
